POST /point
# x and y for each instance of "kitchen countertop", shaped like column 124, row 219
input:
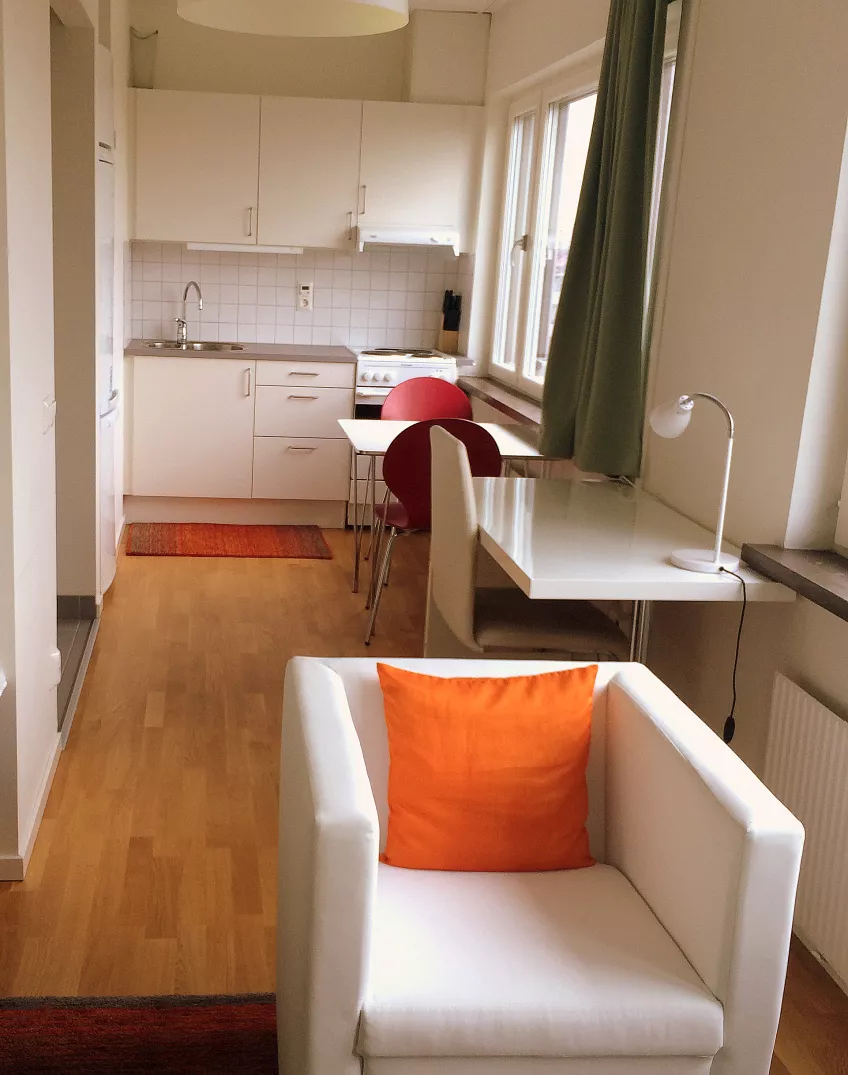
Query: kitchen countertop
column 274, row 352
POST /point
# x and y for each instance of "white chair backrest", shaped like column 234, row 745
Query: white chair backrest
column 365, row 699
column 453, row 535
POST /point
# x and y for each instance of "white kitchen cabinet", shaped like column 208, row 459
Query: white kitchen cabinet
column 197, row 161
column 308, row 171
column 305, row 468
column 302, row 412
column 305, row 374
column 420, row 165
column 192, row 433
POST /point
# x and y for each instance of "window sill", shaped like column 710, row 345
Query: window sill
column 519, row 408
column 819, row 575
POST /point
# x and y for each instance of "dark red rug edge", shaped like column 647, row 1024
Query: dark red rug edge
column 168, row 1000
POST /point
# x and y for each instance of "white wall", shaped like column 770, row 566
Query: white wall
column 191, row 57
column 26, row 366
column 528, row 36
column 447, row 57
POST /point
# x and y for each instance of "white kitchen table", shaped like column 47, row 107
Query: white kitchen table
column 371, row 438
column 572, row 539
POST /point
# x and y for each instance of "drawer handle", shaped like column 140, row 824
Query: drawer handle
column 302, row 397
column 303, row 373
column 296, row 448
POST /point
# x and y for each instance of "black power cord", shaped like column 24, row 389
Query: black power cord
column 730, row 723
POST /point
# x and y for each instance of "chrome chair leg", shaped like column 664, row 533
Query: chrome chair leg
column 381, row 577
column 376, row 561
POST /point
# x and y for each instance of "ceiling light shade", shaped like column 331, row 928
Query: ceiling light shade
column 298, row 18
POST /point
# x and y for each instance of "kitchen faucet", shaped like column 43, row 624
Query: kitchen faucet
column 182, row 322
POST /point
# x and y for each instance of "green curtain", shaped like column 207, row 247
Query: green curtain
column 594, row 395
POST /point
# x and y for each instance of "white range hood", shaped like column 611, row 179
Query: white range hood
column 445, row 238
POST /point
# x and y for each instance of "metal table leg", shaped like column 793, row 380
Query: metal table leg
column 357, row 524
column 639, row 631
column 371, row 493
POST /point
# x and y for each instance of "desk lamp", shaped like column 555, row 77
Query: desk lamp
column 670, row 420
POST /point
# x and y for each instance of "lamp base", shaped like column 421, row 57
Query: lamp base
column 703, row 560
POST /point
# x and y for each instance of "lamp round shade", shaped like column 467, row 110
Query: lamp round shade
column 298, row 18
column 671, row 419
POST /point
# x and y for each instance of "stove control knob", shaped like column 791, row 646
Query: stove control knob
column 367, row 376
column 388, row 377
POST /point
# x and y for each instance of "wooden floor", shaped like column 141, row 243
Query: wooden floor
column 155, row 867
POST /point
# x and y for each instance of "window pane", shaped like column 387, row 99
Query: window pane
column 516, row 209
column 659, row 169
column 569, row 127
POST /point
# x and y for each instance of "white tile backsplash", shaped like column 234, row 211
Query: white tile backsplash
column 387, row 299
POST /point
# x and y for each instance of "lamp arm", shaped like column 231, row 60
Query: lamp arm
column 714, row 399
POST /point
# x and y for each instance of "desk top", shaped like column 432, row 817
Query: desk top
column 372, row 436
column 589, row 540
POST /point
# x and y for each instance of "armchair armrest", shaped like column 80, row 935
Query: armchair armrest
column 710, row 849
column 329, row 845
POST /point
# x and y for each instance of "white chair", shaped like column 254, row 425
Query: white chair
column 666, row 958
column 501, row 620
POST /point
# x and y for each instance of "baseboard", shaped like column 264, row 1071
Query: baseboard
column 85, row 660
column 11, row 868
column 41, row 802
column 163, row 509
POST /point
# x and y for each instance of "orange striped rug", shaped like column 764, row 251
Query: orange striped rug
column 218, row 539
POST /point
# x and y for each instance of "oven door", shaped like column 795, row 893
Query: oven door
column 368, row 402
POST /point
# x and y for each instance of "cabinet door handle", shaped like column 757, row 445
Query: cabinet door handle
column 250, row 220
column 363, row 191
column 303, row 373
column 296, row 448
column 302, row 397
column 350, row 226
column 248, row 381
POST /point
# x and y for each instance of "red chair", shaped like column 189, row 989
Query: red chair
column 406, row 471
column 422, row 398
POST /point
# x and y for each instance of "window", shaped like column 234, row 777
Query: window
column 514, row 236
column 546, row 158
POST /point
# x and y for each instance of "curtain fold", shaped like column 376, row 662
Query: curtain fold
column 594, row 395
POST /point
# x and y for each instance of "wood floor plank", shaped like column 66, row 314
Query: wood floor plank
column 155, row 869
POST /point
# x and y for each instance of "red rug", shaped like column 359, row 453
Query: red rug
column 139, row 1035
column 216, row 539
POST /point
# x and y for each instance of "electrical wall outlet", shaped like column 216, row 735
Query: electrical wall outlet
column 304, row 296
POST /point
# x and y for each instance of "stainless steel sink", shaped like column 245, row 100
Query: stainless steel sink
column 174, row 345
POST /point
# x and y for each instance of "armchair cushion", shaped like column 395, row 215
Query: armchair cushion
column 558, row 964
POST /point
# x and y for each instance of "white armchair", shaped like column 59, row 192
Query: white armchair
column 666, row 958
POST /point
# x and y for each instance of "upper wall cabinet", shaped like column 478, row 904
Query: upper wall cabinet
column 322, row 167
column 197, row 156
column 308, row 171
column 420, row 165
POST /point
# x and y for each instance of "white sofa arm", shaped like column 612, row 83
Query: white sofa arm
column 329, row 845
column 710, row 849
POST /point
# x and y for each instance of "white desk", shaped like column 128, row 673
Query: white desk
column 567, row 539
column 371, row 438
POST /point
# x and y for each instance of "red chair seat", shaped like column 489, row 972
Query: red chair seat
column 393, row 514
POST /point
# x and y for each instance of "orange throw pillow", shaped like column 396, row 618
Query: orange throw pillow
column 488, row 775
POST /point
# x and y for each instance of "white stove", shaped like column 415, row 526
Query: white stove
column 378, row 371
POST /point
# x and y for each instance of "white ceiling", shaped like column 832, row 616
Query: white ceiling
column 452, row 5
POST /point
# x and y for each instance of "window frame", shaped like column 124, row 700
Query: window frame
column 580, row 80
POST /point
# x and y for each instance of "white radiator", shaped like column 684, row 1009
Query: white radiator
column 807, row 769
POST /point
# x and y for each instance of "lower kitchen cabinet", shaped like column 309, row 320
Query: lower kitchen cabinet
column 300, row 468
column 192, row 427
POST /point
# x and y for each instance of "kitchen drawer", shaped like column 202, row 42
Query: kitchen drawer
column 302, row 468
column 301, row 412
column 306, row 374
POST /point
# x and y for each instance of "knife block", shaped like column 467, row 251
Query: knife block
column 448, row 341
